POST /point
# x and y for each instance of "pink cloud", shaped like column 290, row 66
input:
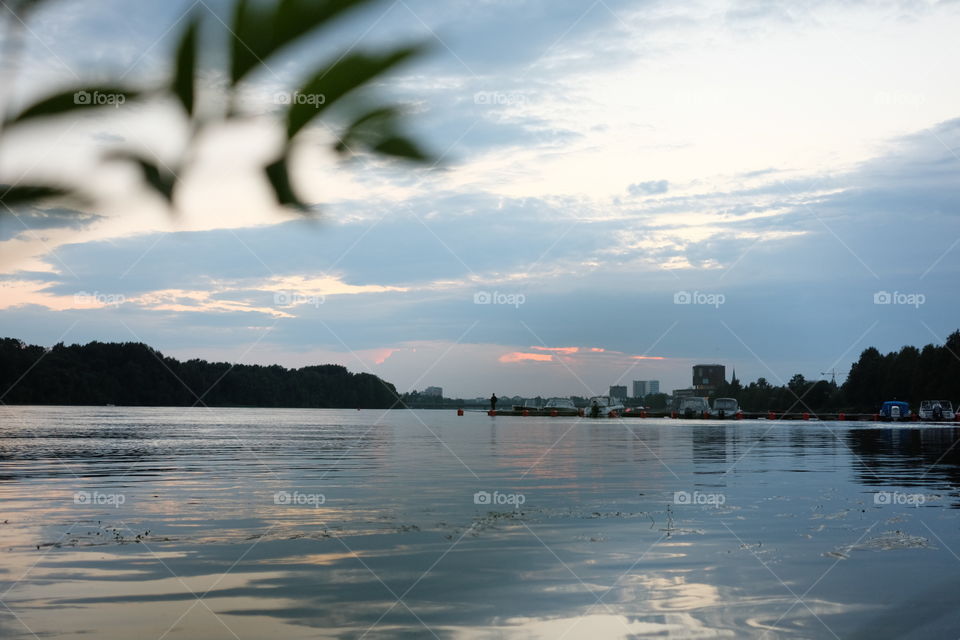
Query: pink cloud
column 380, row 355
column 520, row 356
column 648, row 357
column 558, row 349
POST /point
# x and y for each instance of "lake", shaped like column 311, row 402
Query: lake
column 258, row 523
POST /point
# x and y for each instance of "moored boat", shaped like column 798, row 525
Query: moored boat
column 936, row 410
column 530, row 407
column 895, row 411
column 560, row 407
column 725, row 408
column 694, row 407
column 603, row 407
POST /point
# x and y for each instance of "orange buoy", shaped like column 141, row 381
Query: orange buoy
column 459, row 412
column 525, row 413
column 806, row 416
column 771, row 415
column 613, row 414
column 643, row 414
column 491, row 412
column 739, row 415
column 841, row 416
column 673, row 414
column 554, row 413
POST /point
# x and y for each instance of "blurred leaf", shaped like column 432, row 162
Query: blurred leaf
column 75, row 99
column 337, row 80
column 279, row 176
column 25, row 194
column 376, row 130
column 23, row 7
column 295, row 18
column 250, row 38
column 160, row 180
column 367, row 128
column 260, row 31
column 401, row 147
column 186, row 66
column 376, row 117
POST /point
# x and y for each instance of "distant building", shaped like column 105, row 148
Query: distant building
column 618, row 391
column 708, row 377
column 433, row 391
column 643, row 388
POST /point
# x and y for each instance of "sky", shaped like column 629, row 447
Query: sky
column 622, row 190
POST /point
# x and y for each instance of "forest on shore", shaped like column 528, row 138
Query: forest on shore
column 134, row 374
column 911, row 374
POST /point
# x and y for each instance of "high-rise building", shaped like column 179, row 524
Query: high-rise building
column 643, row 388
column 618, row 391
column 433, row 391
column 708, row 377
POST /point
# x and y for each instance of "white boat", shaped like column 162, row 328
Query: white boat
column 562, row 407
column 936, row 410
column 531, row 405
column 603, row 406
column 725, row 408
column 694, row 407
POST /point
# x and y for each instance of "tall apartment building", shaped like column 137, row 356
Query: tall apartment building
column 643, row 388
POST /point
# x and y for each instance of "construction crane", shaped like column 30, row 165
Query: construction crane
column 833, row 375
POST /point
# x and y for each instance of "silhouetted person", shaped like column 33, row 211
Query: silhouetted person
column 493, row 402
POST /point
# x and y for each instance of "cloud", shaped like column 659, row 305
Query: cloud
column 519, row 356
column 563, row 350
column 28, row 222
column 649, row 188
column 540, row 133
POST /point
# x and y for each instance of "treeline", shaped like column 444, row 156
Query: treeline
column 911, row 374
column 134, row 374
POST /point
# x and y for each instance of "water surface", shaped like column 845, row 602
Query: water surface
column 256, row 523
